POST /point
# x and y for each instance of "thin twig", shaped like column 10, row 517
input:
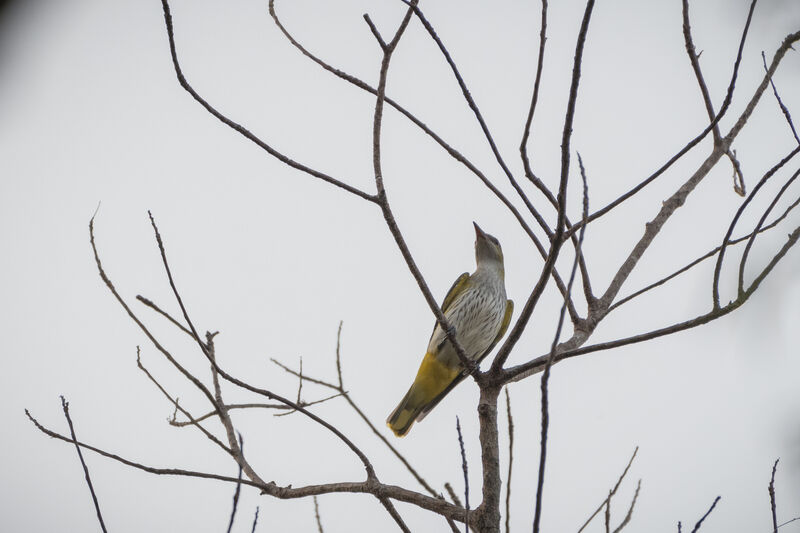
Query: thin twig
column 613, row 490
column 362, row 415
column 510, row 460
column 375, row 31
column 174, row 401
column 718, row 267
column 316, row 515
column 555, row 244
column 697, row 139
column 458, row 156
column 630, row 509
column 546, row 375
column 767, row 211
column 232, row 406
column 703, row 257
column 523, row 145
column 272, row 396
column 163, row 313
column 795, row 519
column 65, row 408
column 255, row 521
column 538, row 364
column 453, row 496
column 372, row 487
column 241, row 129
column 484, row 127
column 383, row 201
column 238, row 488
column 771, row 490
column 784, row 110
column 700, row 522
column 466, row 477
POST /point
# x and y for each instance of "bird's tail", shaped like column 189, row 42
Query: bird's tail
column 406, row 412
column 433, row 377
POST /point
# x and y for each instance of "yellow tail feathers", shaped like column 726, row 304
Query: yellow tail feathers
column 432, row 379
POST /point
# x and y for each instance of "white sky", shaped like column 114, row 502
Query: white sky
column 90, row 111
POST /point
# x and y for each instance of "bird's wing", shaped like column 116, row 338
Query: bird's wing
column 460, row 377
column 459, row 285
column 503, row 328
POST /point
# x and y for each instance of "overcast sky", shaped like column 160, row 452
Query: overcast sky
column 90, row 111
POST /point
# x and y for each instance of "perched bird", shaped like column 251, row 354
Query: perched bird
column 476, row 307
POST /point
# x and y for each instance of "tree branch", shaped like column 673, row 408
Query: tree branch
column 241, row 129
column 65, row 408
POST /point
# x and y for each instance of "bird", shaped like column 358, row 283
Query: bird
column 477, row 309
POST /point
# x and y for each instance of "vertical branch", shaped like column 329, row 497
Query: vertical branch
column 557, row 241
column 238, row 489
column 316, row 515
column 479, row 116
column 784, row 110
column 700, row 522
column 551, row 357
column 466, row 476
column 255, row 521
column 771, row 490
column 65, row 407
column 510, row 460
column 488, row 513
column 383, row 200
column 523, row 145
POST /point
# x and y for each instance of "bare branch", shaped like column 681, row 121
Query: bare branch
column 373, row 487
column 268, row 394
column 453, row 496
column 703, row 257
column 789, row 522
column 276, row 406
column 784, row 110
column 757, row 229
column 188, row 375
column 174, row 401
column 479, row 116
column 241, row 129
column 700, row 522
column 771, row 490
column 466, row 477
column 613, row 491
column 523, row 145
column 554, row 345
column 696, row 140
column 555, row 244
column 566, row 351
column 455, row 154
column 360, row 412
column 255, row 522
column 375, row 32
column 510, row 460
column 163, row 313
column 316, row 515
column 630, row 509
column 718, row 268
column 65, row 407
column 383, row 201
column 238, row 488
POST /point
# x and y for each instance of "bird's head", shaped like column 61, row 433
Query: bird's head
column 487, row 248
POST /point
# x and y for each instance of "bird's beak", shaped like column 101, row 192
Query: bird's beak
column 479, row 234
